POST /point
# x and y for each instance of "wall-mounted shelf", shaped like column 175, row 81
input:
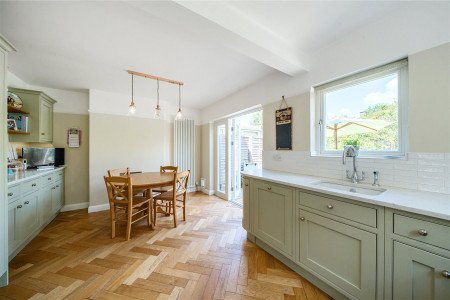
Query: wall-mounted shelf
column 14, row 110
column 17, row 132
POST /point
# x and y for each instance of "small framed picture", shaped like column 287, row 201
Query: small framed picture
column 11, row 124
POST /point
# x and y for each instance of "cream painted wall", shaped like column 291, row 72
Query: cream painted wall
column 142, row 144
column 76, row 159
column 429, row 100
column 428, row 114
column 300, row 127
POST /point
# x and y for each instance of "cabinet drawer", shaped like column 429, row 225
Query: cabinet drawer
column 421, row 230
column 13, row 193
column 46, row 179
column 353, row 212
column 58, row 175
column 29, row 186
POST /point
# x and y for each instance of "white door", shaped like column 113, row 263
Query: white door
column 222, row 159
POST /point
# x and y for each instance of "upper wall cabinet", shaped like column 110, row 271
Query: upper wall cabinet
column 40, row 117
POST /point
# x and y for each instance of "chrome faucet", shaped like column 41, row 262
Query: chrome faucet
column 351, row 151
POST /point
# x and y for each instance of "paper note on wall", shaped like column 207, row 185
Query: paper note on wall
column 73, row 137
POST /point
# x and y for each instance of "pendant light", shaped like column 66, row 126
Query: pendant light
column 157, row 108
column 132, row 107
column 179, row 114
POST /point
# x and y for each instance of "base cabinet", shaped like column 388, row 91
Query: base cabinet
column 344, row 255
column 23, row 220
column 273, row 215
column 419, row 274
column 35, row 204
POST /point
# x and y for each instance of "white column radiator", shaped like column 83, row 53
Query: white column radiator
column 184, row 148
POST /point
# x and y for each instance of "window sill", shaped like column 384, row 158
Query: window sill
column 367, row 156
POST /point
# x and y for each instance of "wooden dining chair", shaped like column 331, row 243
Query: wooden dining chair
column 124, row 206
column 119, row 172
column 165, row 169
column 176, row 197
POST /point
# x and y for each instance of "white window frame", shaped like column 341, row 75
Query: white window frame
column 401, row 68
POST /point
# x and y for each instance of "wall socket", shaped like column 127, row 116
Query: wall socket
column 277, row 157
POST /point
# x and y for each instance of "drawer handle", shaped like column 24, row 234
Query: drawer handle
column 269, row 188
column 446, row 274
column 57, row 185
column 49, row 178
column 246, row 184
column 422, row 232
column 329, row 206
column 302, row 219
column 53, row 188
column 19, row 206
column 34, row 184
column 27, row 202
column 42, row 133
column 10, row 194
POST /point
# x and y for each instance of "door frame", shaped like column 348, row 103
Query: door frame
column 225, row 194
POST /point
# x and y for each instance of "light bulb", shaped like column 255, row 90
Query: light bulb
column 157, row 112
column 132, row 108
column 179, row 114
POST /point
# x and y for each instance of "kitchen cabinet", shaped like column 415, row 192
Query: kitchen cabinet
column 56, row 197
column 23, row 220
column 344, row 255
column 40, row 122
column 272, row 216
column 45, row 204
column 246, row 203
column 33, row 204
column 419, row 274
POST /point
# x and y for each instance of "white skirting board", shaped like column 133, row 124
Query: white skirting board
column 207, row 192
column 96, row 208
column 76, row 206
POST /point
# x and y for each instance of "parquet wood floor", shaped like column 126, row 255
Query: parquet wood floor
column 206, row 257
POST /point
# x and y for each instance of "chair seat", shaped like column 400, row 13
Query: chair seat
column 137, row 201
column 165, row 196
column 162, row 189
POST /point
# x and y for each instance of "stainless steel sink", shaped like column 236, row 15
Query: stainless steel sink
column 350, row 188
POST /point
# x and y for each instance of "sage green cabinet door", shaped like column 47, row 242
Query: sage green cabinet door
column 418, row 274
column 13, row 226
column 46, row 121
column 246, row 205
column 45, row 204
column 56, row 197
column 344, row 255
column 273, row 215
column 28, row 215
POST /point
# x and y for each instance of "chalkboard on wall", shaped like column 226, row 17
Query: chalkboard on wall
column 284, row 128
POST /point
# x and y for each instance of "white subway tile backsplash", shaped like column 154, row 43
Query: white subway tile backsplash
column 420, row 171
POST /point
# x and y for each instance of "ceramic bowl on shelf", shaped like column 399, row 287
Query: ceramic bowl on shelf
column 14, row 100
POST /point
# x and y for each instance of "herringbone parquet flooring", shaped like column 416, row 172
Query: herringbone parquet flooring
column 206, row 257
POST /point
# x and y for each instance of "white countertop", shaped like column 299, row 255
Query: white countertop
column 424, row 203
column 20, row 176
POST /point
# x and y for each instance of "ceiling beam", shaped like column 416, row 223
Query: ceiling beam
column 223, row 24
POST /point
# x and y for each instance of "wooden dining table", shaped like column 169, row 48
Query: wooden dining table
column 151, row 180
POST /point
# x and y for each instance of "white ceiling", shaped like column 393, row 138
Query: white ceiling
column 216, row 48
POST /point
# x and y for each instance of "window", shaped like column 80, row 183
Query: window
column 367, row 110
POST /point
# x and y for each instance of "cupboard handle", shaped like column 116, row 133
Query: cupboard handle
column 34, row 184
column 329, row 206
column 269, row 188
column 19, row 206
column 27, row 202
column 302, row 219
column 42, row 133
column 53, row 188
column 57, row 185
column 49, row 178
column 446, row 274
column 10, row 194
column 246, row 184
column 422, row 232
